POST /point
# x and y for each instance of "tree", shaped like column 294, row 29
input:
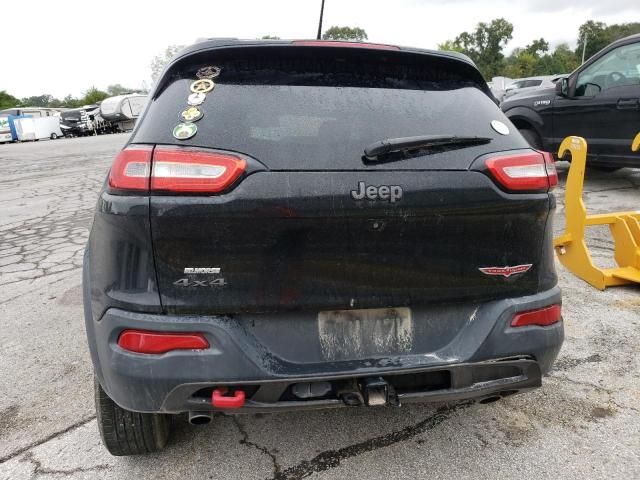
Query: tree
column 37, row 101
column 7, row 101
column 449, row 46
column 537, row 47
column 71, row 102
column 484, row 45
column 159, row 61
column 598, row 35
column 93, row 95
column 355, row 34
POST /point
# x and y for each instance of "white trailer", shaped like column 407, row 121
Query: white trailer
column 123, row 110
column 31, row 129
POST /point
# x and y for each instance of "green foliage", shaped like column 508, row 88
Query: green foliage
column 93, row 95
column 7, row 101
column 159, row 61
column 484, row 45
column 449, row 46
column 598, row 35
column 355, row 34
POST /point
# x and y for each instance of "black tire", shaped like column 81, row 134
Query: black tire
column 129, row 433
column 53, row 136
column 532, row 138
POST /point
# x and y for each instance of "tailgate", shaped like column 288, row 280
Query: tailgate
column 287, row 241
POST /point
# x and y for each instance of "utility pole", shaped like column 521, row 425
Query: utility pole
column 320, row 24
column 584, row 44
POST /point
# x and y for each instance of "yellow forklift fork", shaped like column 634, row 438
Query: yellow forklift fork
column 624, row 226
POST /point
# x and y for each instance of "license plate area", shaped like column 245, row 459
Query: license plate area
column 365, row 333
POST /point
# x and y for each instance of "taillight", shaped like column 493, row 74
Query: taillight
column 142, row 341
column 131, row 169
column 550, row 165
column 522, row 172
column 185, row 170
column 174, row 170
column 542, row 317
column 338, row 43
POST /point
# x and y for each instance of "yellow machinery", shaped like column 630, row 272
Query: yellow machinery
column 625, row 227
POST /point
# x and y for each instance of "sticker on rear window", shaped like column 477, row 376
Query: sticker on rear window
column 204, row 85
column 191, row 114
column 209, row 72
column 184, row 131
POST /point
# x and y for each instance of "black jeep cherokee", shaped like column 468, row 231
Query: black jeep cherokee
column 306, row 224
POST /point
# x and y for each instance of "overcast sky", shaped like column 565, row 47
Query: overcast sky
column 62, row 47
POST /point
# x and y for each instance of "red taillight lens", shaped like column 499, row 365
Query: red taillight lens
column 331, row 43
column 550, row 165
column 191, row 171
column 131, row 169
column 521, row 172
column 140, row 341
column 542, row 317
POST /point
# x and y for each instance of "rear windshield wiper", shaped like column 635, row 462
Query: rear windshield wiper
column 406, row 147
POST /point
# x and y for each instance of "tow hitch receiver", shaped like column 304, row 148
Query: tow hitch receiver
column 377, row 392
column 220, row 399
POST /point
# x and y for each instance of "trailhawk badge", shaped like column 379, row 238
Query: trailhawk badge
column 506, row 271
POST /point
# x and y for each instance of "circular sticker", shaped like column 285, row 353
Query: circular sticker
column 500, row 127
column 196, row 99
column 184, row 131
column 203, row 85
column 191, row 114
column 208, row 72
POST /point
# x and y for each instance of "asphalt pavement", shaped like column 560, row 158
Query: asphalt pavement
column 583, row 423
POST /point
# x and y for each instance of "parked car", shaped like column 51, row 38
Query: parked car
column 599, row 101
column 523, row 85
column 334, row 224
column 498, row 86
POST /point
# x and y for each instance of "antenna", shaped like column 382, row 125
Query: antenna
column 320, row 23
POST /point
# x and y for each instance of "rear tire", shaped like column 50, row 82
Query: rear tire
column 129, row 433
column 53, row 136
column 532, row 138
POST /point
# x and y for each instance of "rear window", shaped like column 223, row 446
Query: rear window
column 319, row 112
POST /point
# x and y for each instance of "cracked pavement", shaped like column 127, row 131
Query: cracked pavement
column 583, row 423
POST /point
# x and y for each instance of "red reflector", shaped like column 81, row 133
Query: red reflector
column 520, row 172
column 331, row 43
column 130, row 169
column 543, row 317
column 185, row 170
column 141, row 341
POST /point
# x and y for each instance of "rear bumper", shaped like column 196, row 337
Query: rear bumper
column 458, row 352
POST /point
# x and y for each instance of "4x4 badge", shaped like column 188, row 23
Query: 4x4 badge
column 506, row 271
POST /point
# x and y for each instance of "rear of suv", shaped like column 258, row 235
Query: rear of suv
column 334, row 224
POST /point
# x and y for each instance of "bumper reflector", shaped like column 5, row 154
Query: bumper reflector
column 542, row 317
column 140, row 341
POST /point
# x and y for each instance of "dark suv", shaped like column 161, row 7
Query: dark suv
column 600, row 101
column 308, row 224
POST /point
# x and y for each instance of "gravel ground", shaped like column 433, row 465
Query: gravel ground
column 583, row 423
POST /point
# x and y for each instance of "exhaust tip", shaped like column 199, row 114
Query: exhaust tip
column 200, row 418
